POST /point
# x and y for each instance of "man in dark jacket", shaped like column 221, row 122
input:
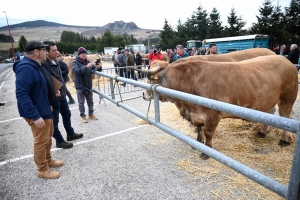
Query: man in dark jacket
column 83, row 69
column 63, row 108
column 129, row 64
column 294, row 54
column 35, row 94
column 138, row 61
column 65, row 74
column 121, row 59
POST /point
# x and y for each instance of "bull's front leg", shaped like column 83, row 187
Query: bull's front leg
column 201, row 136
column 209, row 130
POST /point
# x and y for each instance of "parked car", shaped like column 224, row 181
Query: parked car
column 9, row 60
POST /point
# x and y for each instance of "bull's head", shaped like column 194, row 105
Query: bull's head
column 156, row 73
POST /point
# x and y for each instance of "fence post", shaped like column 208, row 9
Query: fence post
column 294, row 184
column 111, row 82
column 156, row 106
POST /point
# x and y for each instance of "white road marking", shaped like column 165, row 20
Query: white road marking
column 75, row 144
column 5, row 79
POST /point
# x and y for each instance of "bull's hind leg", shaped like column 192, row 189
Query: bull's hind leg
column 265, row 128
column 285, row 110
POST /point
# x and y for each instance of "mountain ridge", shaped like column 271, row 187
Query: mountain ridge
column 44, row 30
column 43, row 23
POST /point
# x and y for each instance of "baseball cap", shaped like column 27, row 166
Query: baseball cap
column 34, row 44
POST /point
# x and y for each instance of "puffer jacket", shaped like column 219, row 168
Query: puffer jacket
column 31, row 90
column 121, row 59
column 82, row 74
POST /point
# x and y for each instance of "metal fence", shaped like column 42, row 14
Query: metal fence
column 290, row 192
column 104, row 85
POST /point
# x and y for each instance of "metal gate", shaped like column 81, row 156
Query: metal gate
column 290, row 192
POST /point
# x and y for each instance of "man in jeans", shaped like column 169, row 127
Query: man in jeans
column 83, row 69
column 35, row 94
column 51, row 65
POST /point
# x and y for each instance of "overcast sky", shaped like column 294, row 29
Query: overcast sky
column 148, row 14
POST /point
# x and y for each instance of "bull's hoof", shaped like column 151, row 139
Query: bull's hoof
column 284, row 143
column 260, row 134
column 204, row 156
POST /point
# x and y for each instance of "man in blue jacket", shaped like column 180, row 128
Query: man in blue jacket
column 35, row 94
column 181, row 53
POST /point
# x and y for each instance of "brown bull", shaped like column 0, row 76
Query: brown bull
column 91, row 57
column 259, row 83
column 233, row 57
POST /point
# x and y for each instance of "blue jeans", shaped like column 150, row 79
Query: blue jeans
column 131, row 73
column 116, row 67
column 66, row 118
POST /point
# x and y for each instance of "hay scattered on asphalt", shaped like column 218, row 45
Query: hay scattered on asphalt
column 236, row 139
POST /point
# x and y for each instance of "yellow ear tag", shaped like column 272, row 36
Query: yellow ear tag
column 155, row 78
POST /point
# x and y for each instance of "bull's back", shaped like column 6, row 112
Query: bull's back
column 230, row 57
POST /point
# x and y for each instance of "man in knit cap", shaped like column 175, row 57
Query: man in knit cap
column 83, row 69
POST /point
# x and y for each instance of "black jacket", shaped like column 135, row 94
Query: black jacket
column 138, row 59
column 294, row 56
column 64, row 70
column 55, row 71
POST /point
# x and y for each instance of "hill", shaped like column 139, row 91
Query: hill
column 41, row 23
column 44, row 30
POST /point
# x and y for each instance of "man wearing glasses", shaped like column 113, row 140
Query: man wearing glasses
column 36, row 97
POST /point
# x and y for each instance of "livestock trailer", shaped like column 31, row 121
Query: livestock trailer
column 193, row 43
column 237, row 43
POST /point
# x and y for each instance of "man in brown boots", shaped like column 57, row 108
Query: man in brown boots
column 36, row 97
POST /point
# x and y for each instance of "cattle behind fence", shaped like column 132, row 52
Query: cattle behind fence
column 289, row 192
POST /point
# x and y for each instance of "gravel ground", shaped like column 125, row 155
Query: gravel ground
column 116, row 159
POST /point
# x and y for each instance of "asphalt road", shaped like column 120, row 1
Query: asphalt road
column 3, row 67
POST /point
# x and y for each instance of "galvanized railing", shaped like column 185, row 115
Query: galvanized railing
column 289, row 192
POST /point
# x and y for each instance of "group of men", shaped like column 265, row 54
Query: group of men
column 41, row 96
column 181, row 52
column 123, row 60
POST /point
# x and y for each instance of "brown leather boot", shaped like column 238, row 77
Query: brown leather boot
column 83, row 119
column 55, row 163
column 48, row 174
column 92, row 116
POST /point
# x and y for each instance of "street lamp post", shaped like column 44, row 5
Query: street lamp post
column 12, row 45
